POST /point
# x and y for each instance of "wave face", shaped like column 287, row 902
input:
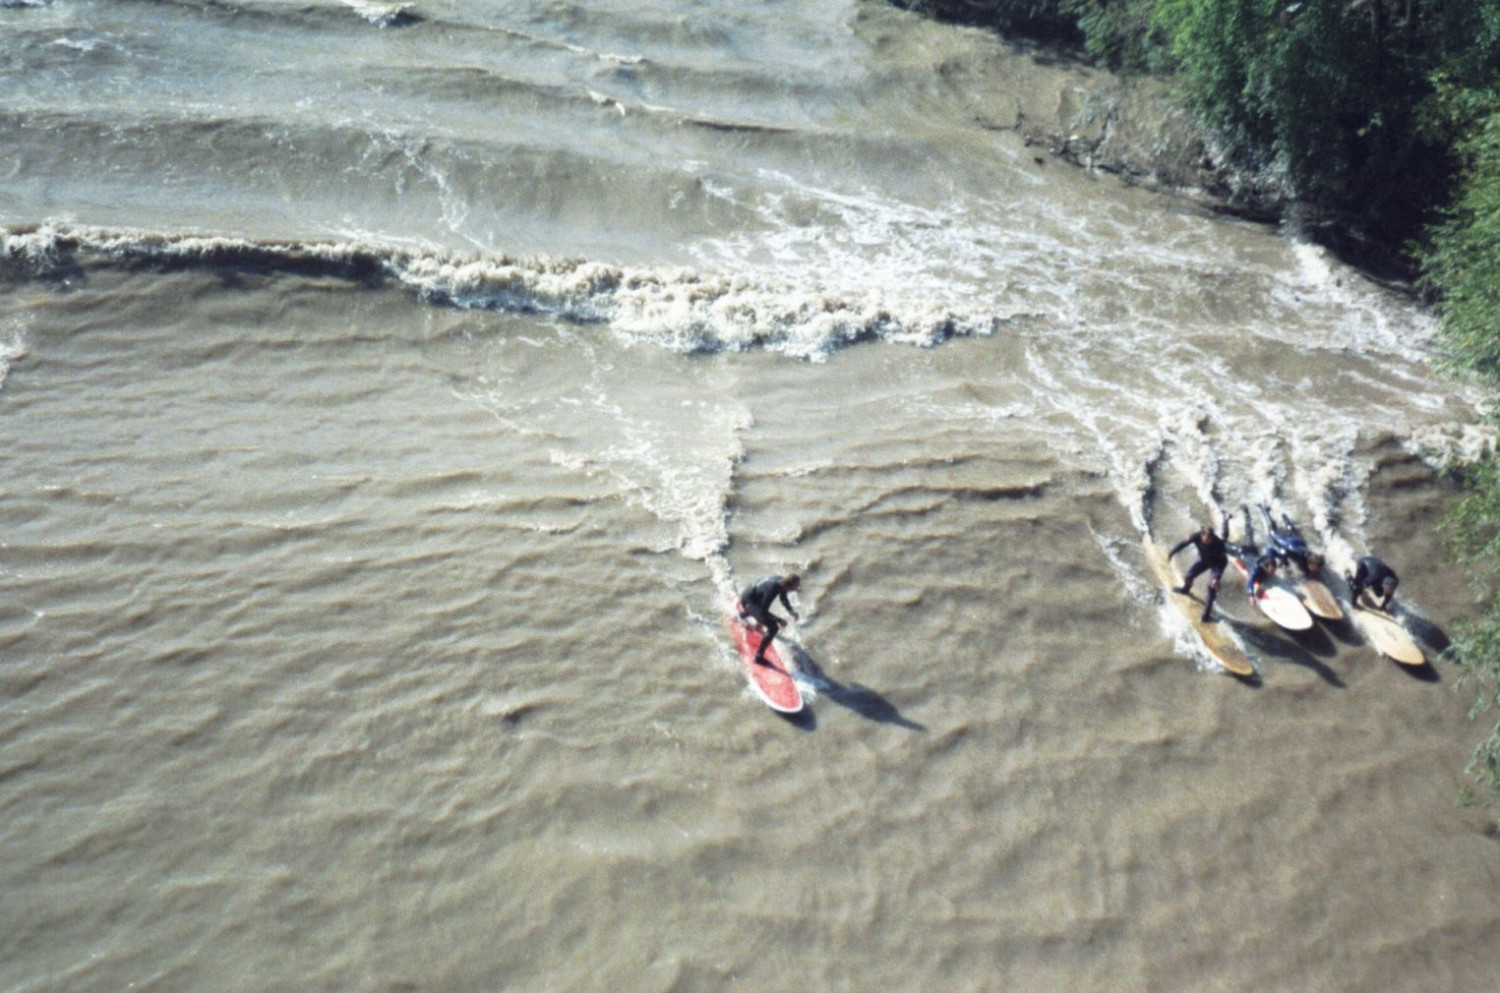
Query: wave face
column 395, row 394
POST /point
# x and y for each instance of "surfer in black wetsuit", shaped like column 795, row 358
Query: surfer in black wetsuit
column 756, row 601
column 1373, row 575
column 1212, row 559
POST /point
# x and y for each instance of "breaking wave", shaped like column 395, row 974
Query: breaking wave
column 679, row 308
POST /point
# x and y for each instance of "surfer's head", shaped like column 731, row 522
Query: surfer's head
column 791, row 582
column 1314, row 563
column 1389, row 584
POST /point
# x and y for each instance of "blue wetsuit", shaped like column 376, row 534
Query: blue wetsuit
column 1264, row 569
column 1287, row 545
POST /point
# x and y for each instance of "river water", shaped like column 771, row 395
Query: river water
column 392, row 396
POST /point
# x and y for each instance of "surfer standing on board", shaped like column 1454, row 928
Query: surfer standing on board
column 756, row 601
column 1373, row 575
column 1212, row 558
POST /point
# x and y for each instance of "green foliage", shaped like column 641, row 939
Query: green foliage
column 1121, row 34
column 1461, row 266
column 1462, row 262
column 1327, row 91
column 1043, row 19
column 1476, row 647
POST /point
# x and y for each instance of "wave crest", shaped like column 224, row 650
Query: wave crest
column 679, row 308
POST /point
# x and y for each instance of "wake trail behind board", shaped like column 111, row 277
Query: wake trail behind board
column 1386, row 633
column 1215, row 640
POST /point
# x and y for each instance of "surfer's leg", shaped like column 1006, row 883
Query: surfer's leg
column 772, row 626
column 1357, row 583
column 1213, row 593
column 1194, row 571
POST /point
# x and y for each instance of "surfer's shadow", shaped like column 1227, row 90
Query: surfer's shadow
column 1276, row 645
column 1424, row 631
column 1428, row 633
column 861, row 699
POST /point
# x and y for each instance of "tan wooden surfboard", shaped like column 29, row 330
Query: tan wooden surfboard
column 1386, row 633
column 1219, row 644
column 1319, row 599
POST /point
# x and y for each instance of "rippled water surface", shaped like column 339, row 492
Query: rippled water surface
column 392, row 396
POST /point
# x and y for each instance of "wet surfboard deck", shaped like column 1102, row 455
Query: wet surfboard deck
column 1277, row 602
column 1282, row 606
column 1319, row 599
column 1386, row 633
column 772, row 682
column 1222, row 648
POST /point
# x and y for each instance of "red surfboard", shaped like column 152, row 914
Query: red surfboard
column 772, row 682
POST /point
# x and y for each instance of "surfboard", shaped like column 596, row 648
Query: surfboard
column 772, row 683
column 1277, row 602
column 1319, row 599
column 1221, row 647
column 1386, row 633
column 1282, row 606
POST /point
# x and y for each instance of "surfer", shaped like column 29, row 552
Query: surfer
column 756, row 602
column 1288, row 545
column 1212, row 558
column 1259, row 567
column 1261, row 572
column 1374, row 575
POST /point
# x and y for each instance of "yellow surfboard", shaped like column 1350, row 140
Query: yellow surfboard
column 1386, row 633
column 1221, row 647
column 1318, row 599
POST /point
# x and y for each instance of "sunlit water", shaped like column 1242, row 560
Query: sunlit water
column 391, row 397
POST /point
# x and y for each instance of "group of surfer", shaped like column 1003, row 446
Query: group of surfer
column 1261, row 565
column 1288, row 547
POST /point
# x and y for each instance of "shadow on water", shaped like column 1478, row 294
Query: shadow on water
column 1316, row 641
column 1345, row 631
column 805, row 719
column 1425, row 631
column 1420, row 629
column 1275, row 645
column 1423, row 673
column 861, row 699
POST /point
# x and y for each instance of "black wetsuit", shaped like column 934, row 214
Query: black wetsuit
column 1212, row 559
column 1373, row 574
column 756, row 602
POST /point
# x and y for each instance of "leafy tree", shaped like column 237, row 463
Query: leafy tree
column 1041, row 19
column 1462, row 266
column 1121, row 34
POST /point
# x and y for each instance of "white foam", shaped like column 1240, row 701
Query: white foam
column 12, row 348
column 379, row 14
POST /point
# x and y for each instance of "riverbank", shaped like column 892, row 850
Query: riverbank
column 1137, row 128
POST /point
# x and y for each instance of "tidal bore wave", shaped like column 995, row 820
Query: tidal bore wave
column 679, row 308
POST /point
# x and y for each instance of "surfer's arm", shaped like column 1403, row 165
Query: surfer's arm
column 788, row 605
column 1179, row 546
